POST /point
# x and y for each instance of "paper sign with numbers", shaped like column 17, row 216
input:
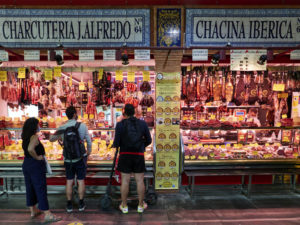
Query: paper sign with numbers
column 21, row 73
column 130, row 77
column 146, row 76
column 3, row 75
column 247, row 59
column 119, row 75
column 48, row 74
column 70, row 81
column 57, row 71
column 100, row 75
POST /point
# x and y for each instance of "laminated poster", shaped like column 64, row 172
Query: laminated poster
column 167, row 135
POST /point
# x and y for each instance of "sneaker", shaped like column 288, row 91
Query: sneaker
column 123, row 209
column 141, row 209
column 69, row 207
column 82, row 206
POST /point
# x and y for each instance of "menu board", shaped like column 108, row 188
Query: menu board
column 247, row 60
column 167, row 135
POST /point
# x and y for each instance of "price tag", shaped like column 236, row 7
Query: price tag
column 240, row 118
column 193, row 157
column 119, row 75
column 217, row 146
column 149, row 109
column 81, row 86
column 223, row 155
column 48, row 74
column 202, row 157
column 284, row 116
column 146, row 76
column 255, row 152
column 228, row 145
column 131, row 77
column 187, row 157
column 212, row 117
column 296, row 155
column 57, row 71
column 240, row 145
column 202, row 120
column 278, row 87
column 283, row 95
column 212, row 154
column 205, row 146
column 85, row 116
column 70, row 81
column 267, row 144
column 223, row 119
column 223, row 146
column 22, row 73
column 100, row 74
column 3, row 75
column 191, row 117
column 190, row 145
column 235, row 145
column 92, row 116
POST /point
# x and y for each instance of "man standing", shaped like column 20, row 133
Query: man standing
column 132, row 136
column 76, row 165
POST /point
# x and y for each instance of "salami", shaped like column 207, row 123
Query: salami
column 217, row 88
column 240, row 91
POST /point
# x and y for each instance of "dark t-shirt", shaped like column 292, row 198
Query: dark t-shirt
column 120, row 137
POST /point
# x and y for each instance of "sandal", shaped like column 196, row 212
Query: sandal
column 51, row 218
column 141, row 209
column 36, row 214
column 123, row 209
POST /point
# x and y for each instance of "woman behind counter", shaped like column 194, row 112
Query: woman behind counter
column 34, row 170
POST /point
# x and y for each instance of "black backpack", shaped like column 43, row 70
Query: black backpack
column 73, row 145
column 133, row 136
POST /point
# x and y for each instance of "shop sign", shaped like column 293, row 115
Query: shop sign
column 31, row 55
column 109, row 55
column 3, row 75
column 247, row 60
column 167, row 135
column 168, row 27
column 3, row 55
column 142, row 54
column 242, row 27
column 86, row 55
column 295, row 55
column 74, row 28
column 200, row 54
column 131, row 77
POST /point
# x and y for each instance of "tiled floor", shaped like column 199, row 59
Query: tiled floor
column 211, row 206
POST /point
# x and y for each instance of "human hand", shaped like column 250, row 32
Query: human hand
column 40, row 157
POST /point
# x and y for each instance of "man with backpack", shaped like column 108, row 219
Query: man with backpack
column 73, row 134
column 132, row 136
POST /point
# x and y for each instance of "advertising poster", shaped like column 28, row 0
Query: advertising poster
column 167, row 137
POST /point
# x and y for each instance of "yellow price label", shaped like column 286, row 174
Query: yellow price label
column 57, row 71
column 193, row 157
column 100, row 75
column 240, row 118
column 131, row 77
column 149, row 109
column 48, row 74
column 217, row 146
column 228, row 145
column 267, row 144
column 22, row 73
column 296, row 154
column 202, row 157
column 85, row 116
column 70, row 81
column 240, row 145
column 191, row 118
column 92, row 116
column 119, row 75
column 278, row 87
column 212, row 117
column 81, row 86
column 223, row 119
column 3, row 75
column 212, row 154
column 284, row 116
column 190, row 145
column 146, row 76
column 283, row 95
column 206, row 146
column 255, row 152
column 187, row 157
column 223, row 155
column 235, row 145
column 223, row 146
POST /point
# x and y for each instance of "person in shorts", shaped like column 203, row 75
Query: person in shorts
column 75, row 167
column 131, row 160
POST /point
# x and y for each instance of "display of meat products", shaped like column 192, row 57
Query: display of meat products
column 191, row 89
column 183, row 84
column 199, row 108
column 118, row 86
column 229, row 89
column 217, row 88
column 145, row 87
column 133, row 101
column 240, row 91
column 198, row 83
column 253, row 92
column 210, row 84
column 147, row 101
column 203, row 89
column 4, row 91
column 131, row 87
column 224, row 75
column 266, row 91
column 91, row 107
column 71, row 99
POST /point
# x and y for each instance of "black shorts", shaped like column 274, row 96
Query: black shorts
column 78, row 169
column 131, row 164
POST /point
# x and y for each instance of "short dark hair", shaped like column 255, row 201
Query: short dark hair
column 129, row 110
column 71, row 111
